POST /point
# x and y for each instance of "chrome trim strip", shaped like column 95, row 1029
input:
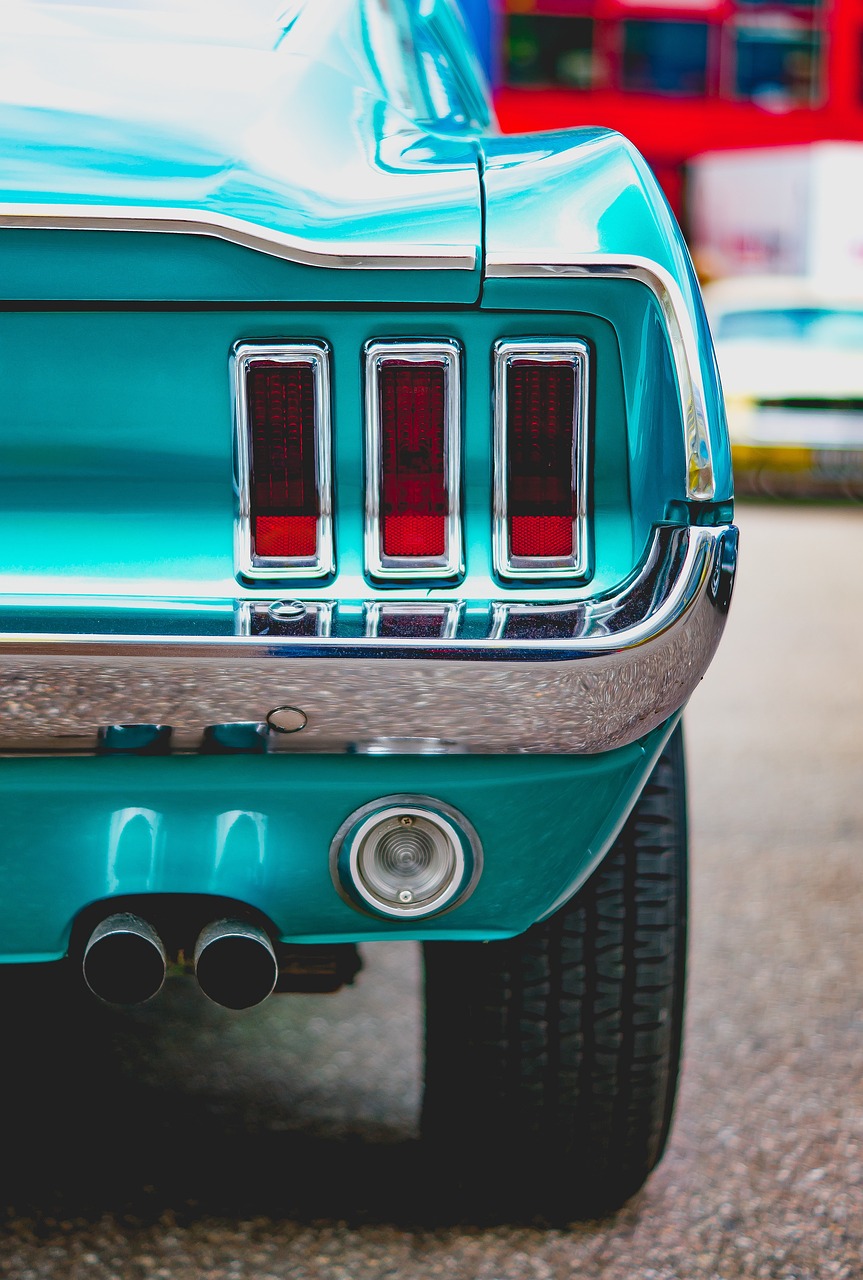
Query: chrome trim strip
column 403, row 568
column 542, row 352
column 700, row 483
column 633, row 660
column 450, row 612
column 324, row 619
column 499, row 616
column 273, row 568
column 393, row 746
column 453, row 618
column 175, row 220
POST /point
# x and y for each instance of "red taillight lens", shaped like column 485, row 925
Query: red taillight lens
column 412, row 499
column 283, row 459
column 280, row 403
column 541, row 429
column 539, row 449
column 414, row 504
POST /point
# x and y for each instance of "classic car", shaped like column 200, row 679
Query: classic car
column 367, row 523
column 790, row 351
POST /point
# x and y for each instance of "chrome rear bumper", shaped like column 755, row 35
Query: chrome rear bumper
column 496, row 677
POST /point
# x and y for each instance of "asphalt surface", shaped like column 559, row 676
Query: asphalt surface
column 182, row 1141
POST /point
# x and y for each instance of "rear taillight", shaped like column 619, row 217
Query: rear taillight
column 284, row 528
column 541, row 397
column 413, row 526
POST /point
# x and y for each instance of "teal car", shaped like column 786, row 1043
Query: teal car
column 366, row 523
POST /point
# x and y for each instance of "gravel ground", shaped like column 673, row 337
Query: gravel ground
column 183, row 1142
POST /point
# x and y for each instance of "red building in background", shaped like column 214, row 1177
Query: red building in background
column 680, row 77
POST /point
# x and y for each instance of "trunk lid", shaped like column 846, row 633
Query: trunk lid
column 281, row 170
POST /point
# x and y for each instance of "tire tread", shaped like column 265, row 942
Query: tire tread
column 560, row 1048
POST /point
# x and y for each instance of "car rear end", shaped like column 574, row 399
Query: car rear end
column 266, row 567
column 366, row 524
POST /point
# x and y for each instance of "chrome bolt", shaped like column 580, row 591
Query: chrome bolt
column 406, row 820
column 406, row 896
column 287, row 609
column 287, row 719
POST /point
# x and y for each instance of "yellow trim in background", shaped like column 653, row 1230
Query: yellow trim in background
column 791, row 458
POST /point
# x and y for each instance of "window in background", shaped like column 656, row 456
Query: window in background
column 772, row 4
column 665, row 57
column 550, row 50
column 778, row 67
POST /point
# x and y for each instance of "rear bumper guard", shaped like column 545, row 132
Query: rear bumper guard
column 580, row 676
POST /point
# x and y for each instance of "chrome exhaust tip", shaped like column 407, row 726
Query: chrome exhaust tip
column 235, row 964
column 124, row 960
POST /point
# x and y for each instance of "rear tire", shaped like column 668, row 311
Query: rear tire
column 552, row 1058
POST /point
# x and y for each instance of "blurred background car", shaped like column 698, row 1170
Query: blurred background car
column 791, row 359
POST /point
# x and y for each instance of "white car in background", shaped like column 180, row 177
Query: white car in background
column 791, row 358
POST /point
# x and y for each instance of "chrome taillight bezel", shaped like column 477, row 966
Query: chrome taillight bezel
column 449, row 611
column 542, row 351
column 383, row 567
column 249, row 564
column 318, row 612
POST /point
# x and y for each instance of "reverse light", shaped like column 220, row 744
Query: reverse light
column 406, row 857
column 284, row 526
column 413, row 400
column 541, row 400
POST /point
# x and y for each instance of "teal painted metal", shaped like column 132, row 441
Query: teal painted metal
column 258, row 829
column 135, row 495
column 126, row 266
column 131, row 184
column 583, row 195
column 155, row 126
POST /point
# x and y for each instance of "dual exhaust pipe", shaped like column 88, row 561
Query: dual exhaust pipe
column 125, row 962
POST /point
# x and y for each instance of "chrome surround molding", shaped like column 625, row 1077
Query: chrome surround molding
column 344, row 851
column 248, row 564
column 176, row 220
column 541, row 351
column 246, row 610
column 450, row 614
column 580, row 676
column 700, row 484
column 401, row 568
